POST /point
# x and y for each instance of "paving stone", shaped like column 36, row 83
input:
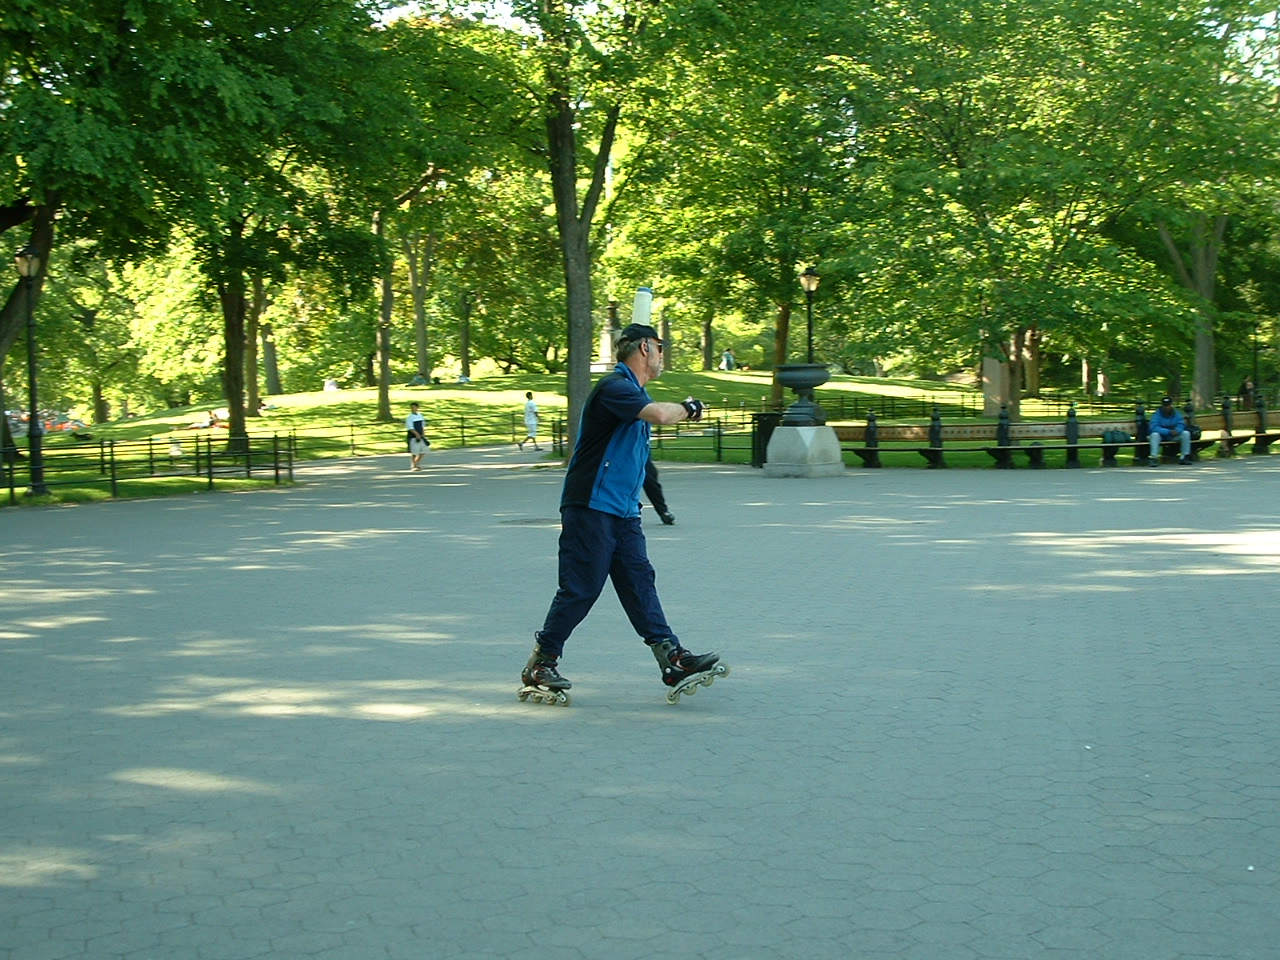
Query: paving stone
column 956, row 730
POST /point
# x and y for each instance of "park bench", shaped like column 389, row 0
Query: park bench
column 1003, row 440
column 1235, row 431
column 865, row 441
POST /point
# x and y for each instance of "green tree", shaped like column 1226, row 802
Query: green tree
column 1010, row 139
column 748, row 175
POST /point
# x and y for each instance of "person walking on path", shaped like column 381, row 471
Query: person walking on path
column 530, row 423
column 1167, row 424
column 415, row 426
column 600, row 531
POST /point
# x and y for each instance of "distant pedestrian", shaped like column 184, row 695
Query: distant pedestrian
column 727, row 361
column 415, row 426
column 530, row 423
column 1245, row 394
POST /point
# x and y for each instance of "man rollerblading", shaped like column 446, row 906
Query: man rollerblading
column 601, row 537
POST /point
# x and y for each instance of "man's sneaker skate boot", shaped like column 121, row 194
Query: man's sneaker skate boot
column 683, row 671
column 1185, row 461
column 542, row 681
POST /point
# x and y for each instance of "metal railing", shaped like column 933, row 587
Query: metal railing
column 382, row 437
column 719, row 439
column 110, row 463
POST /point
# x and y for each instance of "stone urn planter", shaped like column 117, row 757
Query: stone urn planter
column 802, row 378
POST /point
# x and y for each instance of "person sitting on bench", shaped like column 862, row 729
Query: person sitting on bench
column 1167, row 424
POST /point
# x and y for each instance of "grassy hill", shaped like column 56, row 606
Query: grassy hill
column 502, row 397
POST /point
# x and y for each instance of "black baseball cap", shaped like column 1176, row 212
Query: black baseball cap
column 639, row 331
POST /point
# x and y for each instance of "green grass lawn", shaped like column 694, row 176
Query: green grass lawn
column 501, row 398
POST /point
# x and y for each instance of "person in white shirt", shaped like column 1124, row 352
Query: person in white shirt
column 415, row 426
column 530, row 423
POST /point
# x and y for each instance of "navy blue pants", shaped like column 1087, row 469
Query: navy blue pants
column 595, row 545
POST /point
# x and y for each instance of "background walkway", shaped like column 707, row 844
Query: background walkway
column 972, row 714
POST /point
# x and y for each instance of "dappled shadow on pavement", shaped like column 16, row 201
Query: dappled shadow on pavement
column 971, row 714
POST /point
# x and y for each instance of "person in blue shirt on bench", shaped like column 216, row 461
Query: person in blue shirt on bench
column 1167, row 424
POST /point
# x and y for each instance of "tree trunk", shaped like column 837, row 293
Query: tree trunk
column 708, row 340
column 270, row 366
column 13, row 313
column 419, row 261
column 995, row 384
column 781, row 333
column 231, row 294
column 1017, row 372
column 101, row 409
column 1197, row 271
column 464, row 332
column 577, row 258
column 9, row 452
column 257, row 305
column 1032, row 370
column 573, row 220
column 383, row 346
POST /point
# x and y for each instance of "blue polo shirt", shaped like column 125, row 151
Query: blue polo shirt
column 606, row 471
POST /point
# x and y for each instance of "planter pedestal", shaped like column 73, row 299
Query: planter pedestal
column 803, row 445
column 803, row 452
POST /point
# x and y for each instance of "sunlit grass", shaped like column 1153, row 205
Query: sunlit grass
column 329, row 413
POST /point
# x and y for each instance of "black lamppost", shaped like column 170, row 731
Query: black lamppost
column 27, row 261
column 803, row 377
column 809, row 280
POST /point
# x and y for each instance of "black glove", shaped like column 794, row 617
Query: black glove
column 693, row 408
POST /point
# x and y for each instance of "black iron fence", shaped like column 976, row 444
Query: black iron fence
column 371, row 438
column 109, row 464
column 720, row 439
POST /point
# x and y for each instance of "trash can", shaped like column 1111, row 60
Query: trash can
column 762, row 427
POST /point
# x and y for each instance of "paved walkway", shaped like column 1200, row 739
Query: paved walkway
column 972, row 714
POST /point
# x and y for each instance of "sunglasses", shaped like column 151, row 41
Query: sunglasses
column 659, row 343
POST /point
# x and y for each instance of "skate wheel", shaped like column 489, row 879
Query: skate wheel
column 721, row 670
column 690, row 690
column 673, row 696
column 522, row 696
